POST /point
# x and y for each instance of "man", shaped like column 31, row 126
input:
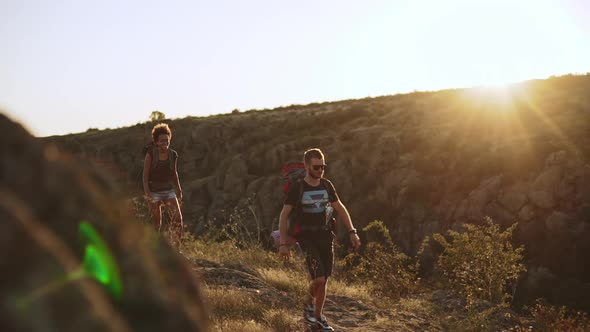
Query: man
column 312, row 198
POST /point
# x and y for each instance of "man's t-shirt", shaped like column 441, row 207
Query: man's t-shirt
column 312, row 206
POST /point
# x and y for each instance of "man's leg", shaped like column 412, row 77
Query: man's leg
column 325, row 265
column 320, row 285
column 310, row 298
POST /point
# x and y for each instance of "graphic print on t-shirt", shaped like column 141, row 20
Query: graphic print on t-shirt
column 314, row 201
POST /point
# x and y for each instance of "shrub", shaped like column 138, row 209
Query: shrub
column 241, row 226
column 551, row 318
column 481, row 261
column 387, row 271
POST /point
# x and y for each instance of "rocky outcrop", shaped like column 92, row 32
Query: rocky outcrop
column 422, row 163
column 45, row 195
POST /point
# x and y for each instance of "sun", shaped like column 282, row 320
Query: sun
column 496, row 97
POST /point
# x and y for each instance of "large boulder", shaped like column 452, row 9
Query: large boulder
column 45, row 197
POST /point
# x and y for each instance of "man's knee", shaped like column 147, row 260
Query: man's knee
column 320, row 281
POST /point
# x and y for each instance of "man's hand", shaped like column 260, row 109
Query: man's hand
column 284, row 252
column 355, row 241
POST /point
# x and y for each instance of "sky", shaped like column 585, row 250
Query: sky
column 70, row 65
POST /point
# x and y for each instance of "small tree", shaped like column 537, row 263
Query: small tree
column 386, row 270
column 481, row 261
column 157, row 116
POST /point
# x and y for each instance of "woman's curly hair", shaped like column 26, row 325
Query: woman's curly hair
column 161, row 129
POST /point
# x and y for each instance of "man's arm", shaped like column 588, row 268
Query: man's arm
column 283, row 229
column 345, row 218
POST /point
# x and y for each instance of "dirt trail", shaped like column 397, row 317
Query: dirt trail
column 430, row 311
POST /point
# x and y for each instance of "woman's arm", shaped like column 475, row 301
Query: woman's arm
column 147, row 164
column 177, row 181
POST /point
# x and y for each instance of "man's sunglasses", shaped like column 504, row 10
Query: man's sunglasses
column 318, row 167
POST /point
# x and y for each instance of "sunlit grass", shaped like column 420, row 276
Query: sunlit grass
column 228, row 252
column 292, row 282
column 356, row 291
column 232, row 325
column 228, row 303
column 280, row 320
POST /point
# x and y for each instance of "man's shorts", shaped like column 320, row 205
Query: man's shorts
column 318, row 247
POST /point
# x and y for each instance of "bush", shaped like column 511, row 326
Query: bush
column 481, row 261
column 386, row 271
column 551, row 318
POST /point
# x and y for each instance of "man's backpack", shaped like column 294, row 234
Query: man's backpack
column 293, row 173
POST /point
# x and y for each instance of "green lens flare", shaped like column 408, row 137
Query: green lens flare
column 99, row 262
column 94, row 265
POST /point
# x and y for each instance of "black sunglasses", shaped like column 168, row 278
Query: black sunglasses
column 318, row 167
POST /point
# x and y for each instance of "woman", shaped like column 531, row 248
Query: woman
column 160, row 179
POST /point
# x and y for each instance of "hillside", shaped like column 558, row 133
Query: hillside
column 422, row 162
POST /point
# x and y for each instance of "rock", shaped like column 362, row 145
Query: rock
column 44, row 198
column 499, row 214
column 526, row 213
column 556, row 158
column 557, row 222
column 514, row 198
column 472, row 206
column 235, row 176
column 544, row 187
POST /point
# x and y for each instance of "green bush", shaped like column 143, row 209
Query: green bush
column 481, row 262
column 387, row 271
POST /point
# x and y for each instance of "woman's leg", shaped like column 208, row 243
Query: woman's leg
column 155, row 208
column 175, row 217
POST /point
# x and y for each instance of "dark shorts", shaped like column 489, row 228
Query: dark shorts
column 319, row 252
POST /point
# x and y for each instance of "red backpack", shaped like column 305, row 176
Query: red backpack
column 293, row 172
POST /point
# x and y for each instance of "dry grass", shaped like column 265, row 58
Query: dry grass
column 227, row 252
column 280, row 320
column 292, row 282
column 356, row 291
column 232, row 325
column 227, row 303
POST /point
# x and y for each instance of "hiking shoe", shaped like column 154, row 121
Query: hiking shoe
column 308, row 313
column 323, row 325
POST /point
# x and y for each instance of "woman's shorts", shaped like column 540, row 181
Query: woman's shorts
column 164, row 195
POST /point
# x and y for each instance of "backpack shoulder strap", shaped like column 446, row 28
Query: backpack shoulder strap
column 155, row 157
column 172, row 156
column 300, row 196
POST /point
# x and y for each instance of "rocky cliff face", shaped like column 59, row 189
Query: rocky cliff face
column 45, row 196
column 422, row 163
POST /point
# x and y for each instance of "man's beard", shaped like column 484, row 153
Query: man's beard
column 313, row 176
